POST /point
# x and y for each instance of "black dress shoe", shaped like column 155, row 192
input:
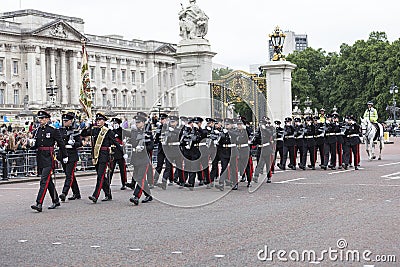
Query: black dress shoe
column 309, row 166
column 235, row 187
column 123, row 187
column 73, row 197
column 54, row 205
column 37, row 207
column 62, row 197
column 134, row 200
column 147, row 199
column 92, row 198
column 107, row 198
column 356, row 168
column 323, row 167
column 333, row 168
column 290, row 165
column 302, row 167
column 130, row 185
column 293, row 168
column 268, row 180
column 248, row 184
column 201, row 183
column 312, row 168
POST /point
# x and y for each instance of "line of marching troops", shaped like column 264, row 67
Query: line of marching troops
column 220, row 150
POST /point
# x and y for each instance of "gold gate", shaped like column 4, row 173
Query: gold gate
column 238, row 87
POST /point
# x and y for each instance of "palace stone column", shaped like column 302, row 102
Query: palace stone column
column 32, row 74
column 279, row 89
column 74, row 87
column 43, row 81
column 64, row 92
column 53, row 65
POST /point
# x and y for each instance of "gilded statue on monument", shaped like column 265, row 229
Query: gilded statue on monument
column 193, row 22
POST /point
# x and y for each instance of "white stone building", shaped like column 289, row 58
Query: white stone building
column 35, row 46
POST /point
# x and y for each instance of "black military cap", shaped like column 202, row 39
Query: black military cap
column 297, row 120
column 237, row 121
column 173, row 118
column 328, row 115
column 116, row 120
column 335, row 115
column 101, row 116
column 316, row 117
column 278, row 122
column 265, row 118
column 228, row 121
column 183, row 118
column 68, row 116
column 308, row 118
column 218, row 120
column 43, row 114
column 163, row 116
column 190, row 120
column 351, row 117
column 140, row 113
column 287, row 119
column 197, row 119
column 139, row 118
column 210, row 120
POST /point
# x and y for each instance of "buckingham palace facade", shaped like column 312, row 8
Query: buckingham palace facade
column 126, row 75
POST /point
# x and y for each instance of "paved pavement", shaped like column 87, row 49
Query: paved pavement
column 348, row 211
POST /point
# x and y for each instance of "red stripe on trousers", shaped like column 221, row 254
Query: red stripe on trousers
column 101, row 182
column 143, row 180
column 72, row 175
column 45, row 187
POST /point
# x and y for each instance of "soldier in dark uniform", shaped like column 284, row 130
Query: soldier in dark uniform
column 141, row 142
column 158, row 140
column 340, row 139
column 278, row 142
column 211, row 149
column 330, row 143
column 264, row 137
column 299, row 136
column 173, row 154
column 244, row 157
column 215, row 136
column 190, row 153
column 228, row 154
column 288, row 145
column 309, row 144
column 45, row 138
column 319, row 140
column 118, row 156
column 203, row 173
column 72, row 140
column 103, row 139
column 352, row 143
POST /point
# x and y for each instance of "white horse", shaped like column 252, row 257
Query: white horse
column 370, row 135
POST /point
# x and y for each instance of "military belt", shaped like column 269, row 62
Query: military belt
column 290, row 136
column 264, row 145
column 279, row 139
column 174, row 144
column 308, row 137
column 229, row 145
column 353, row 135
column 330, row 134
column 242, row 145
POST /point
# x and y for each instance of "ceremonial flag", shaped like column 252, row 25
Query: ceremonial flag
column 85, row 94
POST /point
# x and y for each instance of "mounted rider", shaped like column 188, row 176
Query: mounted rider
column 371, row 113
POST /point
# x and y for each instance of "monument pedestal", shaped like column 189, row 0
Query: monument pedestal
column 194, row 70
column 279, row 89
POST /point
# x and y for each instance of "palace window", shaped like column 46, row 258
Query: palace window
column 93, row 97
column 113, row 76
column 114, row 100
column 123, row 75
column 16, row 97
column 104, row 100
column 15, row 67
column 142, row 77
column 133, row 77
column 1, row 65
column 1, row 96
column 134, row 100
column 159, row 78
column 103, row 74
column 124, row 101
column 92, row 73
column 143, row 101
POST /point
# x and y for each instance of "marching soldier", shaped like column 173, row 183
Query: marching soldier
column 288, row 145
column 216, row 136
column 330, row 143
column 263, row 138
column 319, row 140
column 309, row 143
column 172, row 152
column 72, row 140
column 211, row 149
column 203, row 175
column 142, row 142
column 352, row 143
column 299, row 137
column 340, row 139
column 158, row 140
column 103, row 138
column 118, row 156
column 279, row 142
column 45, row 138
column 245, row 162
column 189, row 151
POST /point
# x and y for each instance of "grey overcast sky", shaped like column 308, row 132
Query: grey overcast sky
column 238, row 29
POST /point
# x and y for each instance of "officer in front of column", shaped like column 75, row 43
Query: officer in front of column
column 118, row 156
column 45, row 137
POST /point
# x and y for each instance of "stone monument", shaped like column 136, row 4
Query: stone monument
column 194, row 63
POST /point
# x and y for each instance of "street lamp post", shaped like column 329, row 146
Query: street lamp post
column 277, row 39
column 394, row 90
column 52, row 92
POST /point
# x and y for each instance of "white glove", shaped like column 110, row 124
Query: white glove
column 225, row 130
column 65, row 160
column 139, row 148
column 88, row 123
column 216, row 131
column 68, row 146
column 125, row 156
column 116, row 126
column 110, row 127
column 208, row 128
column 71, row 141
column 170, row 129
